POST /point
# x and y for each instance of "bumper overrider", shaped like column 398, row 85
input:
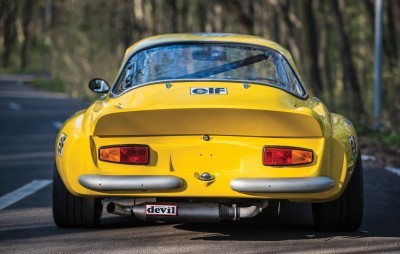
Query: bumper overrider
column 166, row 183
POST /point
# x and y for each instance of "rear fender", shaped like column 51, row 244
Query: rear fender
column 344, row 151
column 71, row 149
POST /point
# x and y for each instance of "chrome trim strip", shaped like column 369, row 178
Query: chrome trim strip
column 283, row 185
column 130, row 183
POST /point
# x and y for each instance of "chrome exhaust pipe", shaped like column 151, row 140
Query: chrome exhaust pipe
column 251, row 211
column 186, row 212
column 119, row 209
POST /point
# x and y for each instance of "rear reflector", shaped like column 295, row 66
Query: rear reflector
column 138, row 155
column 276, row 156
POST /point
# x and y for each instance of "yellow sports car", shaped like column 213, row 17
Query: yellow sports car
column 206, row 127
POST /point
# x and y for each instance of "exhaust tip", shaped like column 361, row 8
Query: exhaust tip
column 118, row 209
column 111, row 207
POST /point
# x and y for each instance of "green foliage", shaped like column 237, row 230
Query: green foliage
column 390, row 139
column 55, row 85
column 384, row 136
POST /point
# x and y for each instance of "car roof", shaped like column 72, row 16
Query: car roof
column 206, row 37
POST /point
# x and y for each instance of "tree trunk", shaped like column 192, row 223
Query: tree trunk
column 387, row 43
column 202, row 15
column 245, row 12
column 9, row 9
column 326, row 50
column 128, row 21
column 392, row 36
column 310, row 27
column 396, row 8
column 27, row 12
column 171, row 12
column 349, row 71
column 293, row 25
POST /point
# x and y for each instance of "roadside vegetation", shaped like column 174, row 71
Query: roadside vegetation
column 72, row 41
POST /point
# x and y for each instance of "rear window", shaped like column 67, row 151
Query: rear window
column 216, row 62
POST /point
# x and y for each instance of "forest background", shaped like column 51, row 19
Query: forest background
column 332, row 42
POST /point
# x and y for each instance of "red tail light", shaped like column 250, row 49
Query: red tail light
column 138, row 155
column 277, row 156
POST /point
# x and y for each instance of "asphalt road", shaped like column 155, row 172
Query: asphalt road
column 28, row 127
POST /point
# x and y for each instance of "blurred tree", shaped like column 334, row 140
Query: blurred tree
column 349, row 71
column 8, row 15
column 311, row 38
column 28, row 9
column 331, row 41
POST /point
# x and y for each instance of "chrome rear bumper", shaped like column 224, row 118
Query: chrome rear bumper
column 283, row 185
column 167, row 183
column 130, row 183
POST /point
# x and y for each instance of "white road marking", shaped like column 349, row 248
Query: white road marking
column 57, row 125
column 19, row 156
column 394, row 170
column 365, row 157
column 14, row 106
column 23, row 192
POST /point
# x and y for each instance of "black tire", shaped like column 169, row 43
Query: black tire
column 346, row 212
column 70, row 211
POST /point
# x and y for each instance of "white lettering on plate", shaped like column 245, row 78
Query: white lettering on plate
column 208, row 90
column 162, row 210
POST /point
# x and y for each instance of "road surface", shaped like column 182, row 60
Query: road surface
column 29, row 121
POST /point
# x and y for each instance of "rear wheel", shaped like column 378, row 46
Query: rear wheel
column 72, row 211
column 346, row 212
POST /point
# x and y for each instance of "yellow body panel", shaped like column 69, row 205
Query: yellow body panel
column 224, row 156
column 172, row 123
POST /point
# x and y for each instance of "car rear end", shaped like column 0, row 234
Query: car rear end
column 270, row 149
column 205, row 145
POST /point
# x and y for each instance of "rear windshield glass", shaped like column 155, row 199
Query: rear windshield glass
column 216, row 62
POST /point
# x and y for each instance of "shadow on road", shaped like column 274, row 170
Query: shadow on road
column 293, row 222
